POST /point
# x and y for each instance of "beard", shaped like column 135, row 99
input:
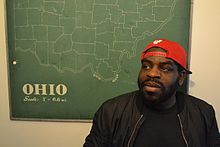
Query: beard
column 166, row 92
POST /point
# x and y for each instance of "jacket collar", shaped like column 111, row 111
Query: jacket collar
column 180, row 100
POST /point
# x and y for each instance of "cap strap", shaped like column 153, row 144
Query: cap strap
column 155, row 53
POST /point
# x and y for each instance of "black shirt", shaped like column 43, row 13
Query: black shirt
column 160, row 129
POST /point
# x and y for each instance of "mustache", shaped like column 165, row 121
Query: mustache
column 153, row 80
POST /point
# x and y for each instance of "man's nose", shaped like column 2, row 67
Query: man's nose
column 154, row 72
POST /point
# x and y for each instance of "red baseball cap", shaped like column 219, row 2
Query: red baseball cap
column 173, row 51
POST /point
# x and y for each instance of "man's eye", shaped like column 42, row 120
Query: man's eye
column 167, row 69
column 145, row 66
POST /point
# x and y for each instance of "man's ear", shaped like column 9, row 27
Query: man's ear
column 182, row 76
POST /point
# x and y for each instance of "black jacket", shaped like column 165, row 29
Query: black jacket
column 118, row 120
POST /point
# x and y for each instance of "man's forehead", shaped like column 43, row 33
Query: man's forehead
column 158, row 60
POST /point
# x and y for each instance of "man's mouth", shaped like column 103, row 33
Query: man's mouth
column 151, row 87
column 152, row 84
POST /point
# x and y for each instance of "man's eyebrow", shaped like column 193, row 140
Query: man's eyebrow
column 163, row 63
column 167, row 62
column 145, row 60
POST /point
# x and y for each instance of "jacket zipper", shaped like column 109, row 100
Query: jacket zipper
column 181, row 126
column 135, row 128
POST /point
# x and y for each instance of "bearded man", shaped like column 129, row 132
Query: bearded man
column 156, row 115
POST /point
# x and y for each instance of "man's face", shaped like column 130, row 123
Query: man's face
column 158, row 79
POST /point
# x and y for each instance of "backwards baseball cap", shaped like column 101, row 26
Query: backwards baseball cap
column 172, row 50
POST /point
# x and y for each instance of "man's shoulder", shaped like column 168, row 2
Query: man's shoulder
column 195, row 102
column 115, row 107
column 123, row 98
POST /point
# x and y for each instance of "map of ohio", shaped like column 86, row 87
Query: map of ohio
column 74, row 35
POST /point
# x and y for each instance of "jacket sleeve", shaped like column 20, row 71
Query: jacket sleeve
column 213, row 132
column 218, row 141
column 99, row 135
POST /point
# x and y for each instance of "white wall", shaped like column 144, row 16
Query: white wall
column 205, row 53
column 204, row 83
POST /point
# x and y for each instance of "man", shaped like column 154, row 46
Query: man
column 156, row 115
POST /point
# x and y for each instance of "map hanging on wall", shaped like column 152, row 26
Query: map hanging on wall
column 66, row 57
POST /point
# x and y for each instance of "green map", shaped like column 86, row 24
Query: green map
column 66, row 57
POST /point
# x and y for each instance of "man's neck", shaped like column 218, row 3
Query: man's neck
column 165, row 104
